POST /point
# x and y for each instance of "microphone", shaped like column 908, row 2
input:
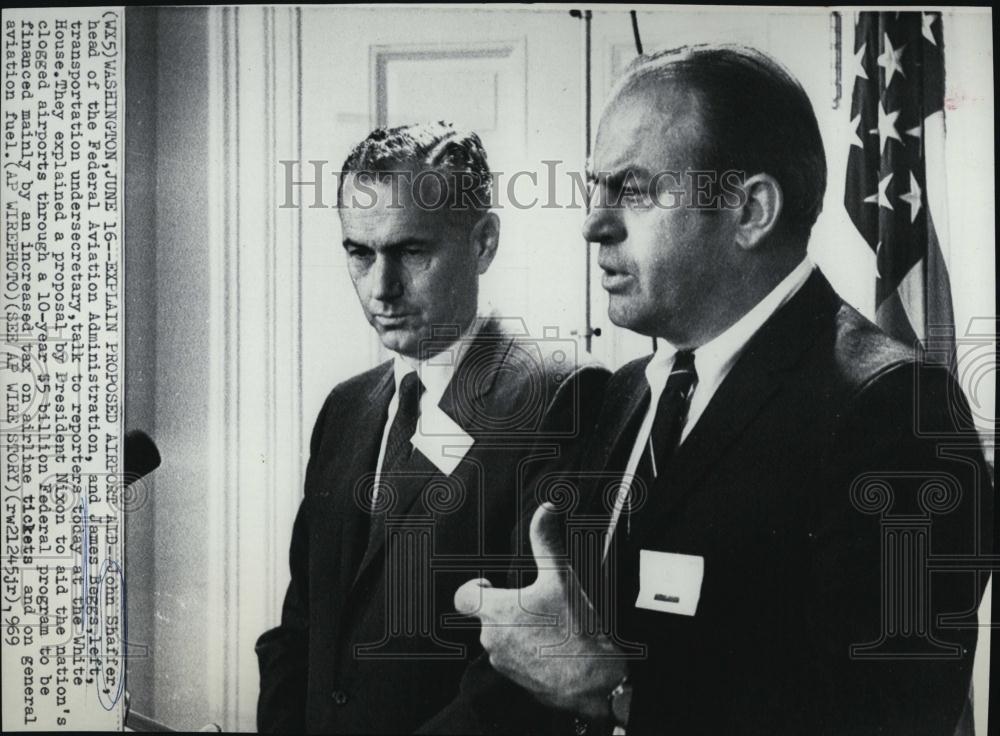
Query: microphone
column 141, row 456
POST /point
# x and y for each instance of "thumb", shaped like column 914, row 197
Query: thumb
column 470, row 595
column 548, row 546
column 555, row 571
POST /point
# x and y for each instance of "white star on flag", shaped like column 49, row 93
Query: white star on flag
column 912, row 197
column 855, row 125
column 859, row 65
column 915, row 132
column 887, row 126
column 882, row 197
column 890, row 61
column 928, row 20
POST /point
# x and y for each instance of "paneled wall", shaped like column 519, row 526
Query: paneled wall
column 213, row 271
column 167, row 346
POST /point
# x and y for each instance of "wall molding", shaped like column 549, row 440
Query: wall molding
column 255, row 411
column 381, row 55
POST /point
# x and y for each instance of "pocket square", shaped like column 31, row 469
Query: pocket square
column 441, row 440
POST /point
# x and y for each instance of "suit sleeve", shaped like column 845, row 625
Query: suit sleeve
column 489, row 703
column 283, row 652
column 907, row 509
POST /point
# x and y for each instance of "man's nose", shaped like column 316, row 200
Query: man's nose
column 604, row 225
column 387, row 283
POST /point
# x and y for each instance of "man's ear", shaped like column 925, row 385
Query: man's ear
column 761, row 209
column 485, row 238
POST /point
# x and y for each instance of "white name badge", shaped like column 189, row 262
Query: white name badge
column 441, row 440
column 670, row 582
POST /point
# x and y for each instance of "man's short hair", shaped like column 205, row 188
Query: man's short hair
column 757, row 119
column 451, row 156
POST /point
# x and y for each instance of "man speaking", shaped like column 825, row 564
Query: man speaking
column 783, row 474
column 414, row 465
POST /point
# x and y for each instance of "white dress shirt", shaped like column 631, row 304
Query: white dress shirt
column 712, row 362
column 435, row 373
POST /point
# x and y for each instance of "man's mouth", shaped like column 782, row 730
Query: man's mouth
column 392, row 320
column 614, row 280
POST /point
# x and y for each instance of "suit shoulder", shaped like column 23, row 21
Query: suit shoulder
column 626, row 376
column 345, row 397
column 557, row 359
column 884, row 382
column 863, row 352
column 361, row 382
column 355, row 389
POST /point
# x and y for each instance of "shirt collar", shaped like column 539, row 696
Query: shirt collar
column 714, row 359
column 436, row 372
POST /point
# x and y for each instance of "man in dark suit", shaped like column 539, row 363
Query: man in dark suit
column 790, row 504
column 415, row 464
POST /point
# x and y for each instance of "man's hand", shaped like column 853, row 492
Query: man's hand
column 547, row 637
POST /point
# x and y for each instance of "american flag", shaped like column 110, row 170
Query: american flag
column 895, row 192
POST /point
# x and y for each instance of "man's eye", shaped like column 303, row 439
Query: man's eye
column 633, row 196
column 359, row 253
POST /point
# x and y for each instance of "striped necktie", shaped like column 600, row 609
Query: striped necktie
column 671, row 412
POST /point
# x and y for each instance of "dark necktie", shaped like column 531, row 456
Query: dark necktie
column 671, row 411
column 397, row 452
column 397, row 447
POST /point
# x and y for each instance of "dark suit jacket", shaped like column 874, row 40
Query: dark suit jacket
column 366, row 643
column 837, row 492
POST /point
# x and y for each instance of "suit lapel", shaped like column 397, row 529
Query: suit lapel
column 606, row 456
column 758, row 373
column 406, row 486
column 622, row 407
column 356, row 458
column 351, row 472
column 474, row 380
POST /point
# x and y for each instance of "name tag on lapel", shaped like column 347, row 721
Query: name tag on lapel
column 670, row 582
column 441, row 440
